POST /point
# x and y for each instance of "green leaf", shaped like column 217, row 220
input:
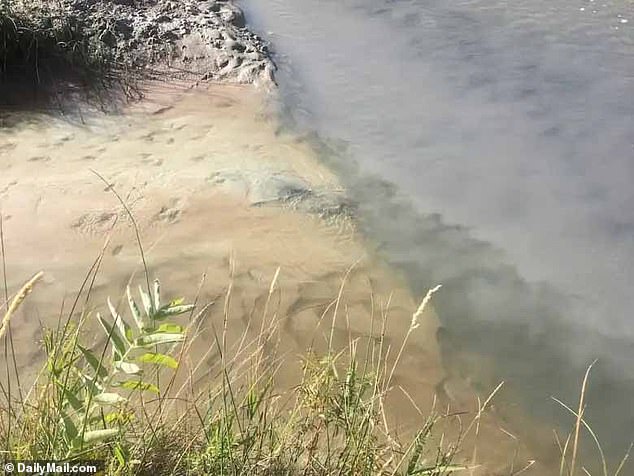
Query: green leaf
column 139, row 385
column 109, row 398
column 157, row 294
column 118, row 342
column 96, row 436
column 158, row 338
column 134, row 309
column 122, row 326
column 147, row 302
column 169, row 328
column 53, row 369
column 128, row 367
column 120, row 454
column 70, row 429
column 115, row 417
column 69, row 396
column 159, row 359
column 170, row 310
column 94, row 363
column 72, row 399
column 91, row 384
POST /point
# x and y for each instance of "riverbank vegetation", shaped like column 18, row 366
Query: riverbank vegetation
column 132, row 402
column 54, row 47
column 124, row 401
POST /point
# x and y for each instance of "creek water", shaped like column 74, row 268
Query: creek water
column 490, row 145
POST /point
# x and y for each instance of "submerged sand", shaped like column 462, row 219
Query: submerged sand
column 222, row 198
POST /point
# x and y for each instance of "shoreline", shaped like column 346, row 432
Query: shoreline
column 263, row 183
column 240, row 200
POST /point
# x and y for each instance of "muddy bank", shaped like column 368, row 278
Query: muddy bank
column 62, row 54
column 205, row 39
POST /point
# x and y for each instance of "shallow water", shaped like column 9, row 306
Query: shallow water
column 203, row 170
column 491, row 145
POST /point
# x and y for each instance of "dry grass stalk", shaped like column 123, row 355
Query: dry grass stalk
column 17, row 300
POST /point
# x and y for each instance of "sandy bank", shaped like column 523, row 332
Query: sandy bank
column 222, row 197
column 210, row 182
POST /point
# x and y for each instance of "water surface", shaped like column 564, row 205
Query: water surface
column 503, row 137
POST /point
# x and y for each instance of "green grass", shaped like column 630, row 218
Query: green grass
column 120, row 401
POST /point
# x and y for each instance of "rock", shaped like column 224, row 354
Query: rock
column 211, row 5
column 232, row 15
column 213, row 34
column 233, row 45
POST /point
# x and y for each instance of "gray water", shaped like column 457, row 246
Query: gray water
column 490, row 145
